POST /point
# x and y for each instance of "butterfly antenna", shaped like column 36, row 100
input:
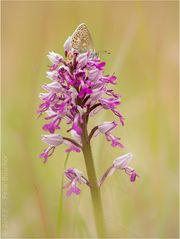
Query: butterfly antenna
column 107, row 52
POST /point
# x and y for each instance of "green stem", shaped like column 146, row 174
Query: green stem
column 95, row 191
column 60, row 209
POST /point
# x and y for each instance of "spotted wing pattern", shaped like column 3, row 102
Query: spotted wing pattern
column 81, row 38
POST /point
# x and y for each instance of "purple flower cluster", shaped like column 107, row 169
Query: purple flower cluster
column 78, row 89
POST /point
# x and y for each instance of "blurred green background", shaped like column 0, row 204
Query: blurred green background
column 143, row 40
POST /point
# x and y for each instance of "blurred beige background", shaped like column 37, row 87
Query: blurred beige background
column 143, row 40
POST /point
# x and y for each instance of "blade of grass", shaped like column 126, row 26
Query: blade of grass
column 42, row 210
column 60, row 209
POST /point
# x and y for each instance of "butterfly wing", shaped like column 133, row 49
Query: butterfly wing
column 81, row 39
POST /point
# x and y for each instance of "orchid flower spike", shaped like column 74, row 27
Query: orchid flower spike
column 78, row 89
column 75, row 177
column 120, row 163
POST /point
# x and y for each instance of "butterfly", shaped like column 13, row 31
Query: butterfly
column 81, row 39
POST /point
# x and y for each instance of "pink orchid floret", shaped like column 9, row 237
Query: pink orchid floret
column 52, row 75
column 121, row 163
column 106, row 129
column 75, row 177
column 54, row 58
column 54, row 140
column 53, row 87
column 78, row 89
